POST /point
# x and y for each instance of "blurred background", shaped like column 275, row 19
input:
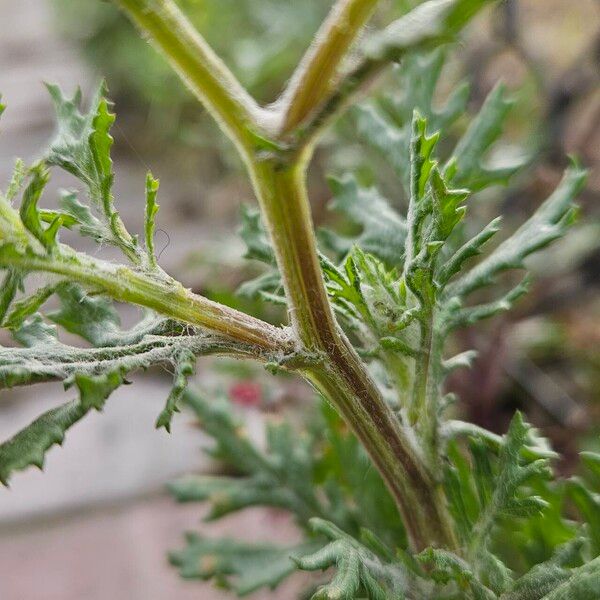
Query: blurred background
column 97, row 523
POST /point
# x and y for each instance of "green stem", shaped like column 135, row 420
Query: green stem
column 166, row 296
column 279, row 180
column 314, row 78
column 198, row 66
column 420, row 499
column 341, row 377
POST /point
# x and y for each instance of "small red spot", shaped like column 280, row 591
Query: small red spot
column 246, row 393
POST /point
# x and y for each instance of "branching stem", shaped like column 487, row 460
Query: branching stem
column 317, row 71
column 165, row 296
column 279, row 180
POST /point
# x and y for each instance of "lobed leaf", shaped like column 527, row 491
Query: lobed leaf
column 243, row 568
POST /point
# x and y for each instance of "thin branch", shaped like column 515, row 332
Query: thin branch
column 429, row 25
column 199, row 67
column 165, row 296
column 314, row 76
column 57, row 361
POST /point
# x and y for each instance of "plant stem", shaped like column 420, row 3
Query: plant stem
column 420, row 499
column 341, row 377
column 166, row 296
column 279, row 180
column 198, row 66
column 314, row 76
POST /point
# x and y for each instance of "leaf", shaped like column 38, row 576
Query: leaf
column 545, row 577
column 27, row 306
column 468, row 250
column 11, row 284
column 513, row 473
column 92, row 318
column 588, row 504
column 82, row 147
column 17, row 180
column 253, row 233
column 548, row 223
column 29, row 446
column 243, row 568
column 32, row 332
column 150, row 216
column 95, row 389
column 483, row 131
column 185, row 363
column 584, row 584
column 29, row 212
column 358, row 569
column 463, row 317
column 383, row 229
column 444, row 566
column 380, row 131
column 277, row 476
column 231, row 494
column 428, row 25
column 89, row 225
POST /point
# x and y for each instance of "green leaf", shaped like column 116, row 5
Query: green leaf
column 588, row 504
column 228, row 494
column 31, row 333
column 150, row 216
column 545, row 577
column 468, row 250
column 359, row 572
column 17, row 180
column 428, row 25
column 30, row 214
column 483, row 131
column 548, row 223
column 243, row 568
column 185, row 363
column 513, row 473
column 253, row 233
column 82, row 147
column 95, row 389
column 92, row 318
column 89, row 225
column 277, row 476
column 11, row 284
column 29, row 446
column 27, row 306
column 463, row 317
column 383, row 230
column 444, row 566
column 584, row 584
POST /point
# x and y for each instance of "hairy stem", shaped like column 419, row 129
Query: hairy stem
column 198, row 66
column 313, row 79
column 165, row 296
column 342, row 378
column 420, row 499
column 279, row 180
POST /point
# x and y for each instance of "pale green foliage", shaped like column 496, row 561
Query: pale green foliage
column 233, row 565
column 359, row 570
column 401, row 286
